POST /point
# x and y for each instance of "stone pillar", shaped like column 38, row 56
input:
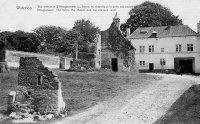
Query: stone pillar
column 11, row 100
column 61, row 103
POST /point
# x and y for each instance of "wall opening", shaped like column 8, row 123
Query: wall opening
column 114, row 64
column 151, row 67
column 29, row 93
column 71, row 63
column 40, row 79
column 184, row 65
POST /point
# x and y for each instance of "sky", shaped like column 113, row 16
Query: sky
column 13, row 19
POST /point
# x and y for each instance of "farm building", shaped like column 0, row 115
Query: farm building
column 167, row 48
column 106, row 58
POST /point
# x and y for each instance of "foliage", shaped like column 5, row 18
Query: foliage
column 123, row 28
column 88, row 30
column 56, row 39
column 2, row 45
column 50, row 37
column 4, row 36
column 80, row 65
column 117, row 43
column 20, row 40
column 68, row 44
column 150, row 14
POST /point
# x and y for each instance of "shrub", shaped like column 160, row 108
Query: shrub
column 80, row 65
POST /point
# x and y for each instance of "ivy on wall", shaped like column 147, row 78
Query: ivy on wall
column 117, row 42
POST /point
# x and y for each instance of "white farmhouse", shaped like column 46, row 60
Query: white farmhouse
column 167, row 48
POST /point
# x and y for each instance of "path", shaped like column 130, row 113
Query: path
column 136, row 106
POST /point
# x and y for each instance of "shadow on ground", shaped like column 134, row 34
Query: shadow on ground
column 186, row 110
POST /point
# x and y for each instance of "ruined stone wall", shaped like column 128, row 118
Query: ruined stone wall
column 31, row 69
column 42, row 83
column 106, row 58
column 13, row 58
column 107, row 55
column 45, row 101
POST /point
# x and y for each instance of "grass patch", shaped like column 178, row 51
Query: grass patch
column 82, row 90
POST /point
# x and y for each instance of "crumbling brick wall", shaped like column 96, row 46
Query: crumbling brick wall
column 41, row 83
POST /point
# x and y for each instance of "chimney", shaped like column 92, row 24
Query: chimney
column 128, row 31
column 198, row 27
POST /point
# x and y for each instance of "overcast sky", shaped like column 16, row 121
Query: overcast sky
column 12, row 19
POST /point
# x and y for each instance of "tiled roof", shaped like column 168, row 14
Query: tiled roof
column 163, row 31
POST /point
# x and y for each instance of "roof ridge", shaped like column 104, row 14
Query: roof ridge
column 162, row 31
column 165, row 26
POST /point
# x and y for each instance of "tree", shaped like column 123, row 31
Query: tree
column 3, row 63
column 67, row 46
column 23, row 41
column 50, row 37
column 150, row 14
column 4, row 36
column 88, row 31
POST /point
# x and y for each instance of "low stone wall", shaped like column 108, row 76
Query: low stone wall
column 13, row 57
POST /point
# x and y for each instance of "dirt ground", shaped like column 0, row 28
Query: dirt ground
column 142, row 105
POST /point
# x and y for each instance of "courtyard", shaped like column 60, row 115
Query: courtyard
column 119, row 97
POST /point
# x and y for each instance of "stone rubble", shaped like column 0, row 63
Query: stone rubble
column 24, row 112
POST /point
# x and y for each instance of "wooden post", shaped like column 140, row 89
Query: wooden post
column 76, row 45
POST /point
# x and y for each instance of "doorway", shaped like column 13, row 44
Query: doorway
column 151, row 67
column 114, row 64
column 184, row 65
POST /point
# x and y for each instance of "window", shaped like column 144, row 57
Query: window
column 162, row 50
column 29, row 93
column 190, row 47
column 178, row 47
column 142, row 63
column 151, row 48
column 162, row 61
column 142, row 49
column 40, row 79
